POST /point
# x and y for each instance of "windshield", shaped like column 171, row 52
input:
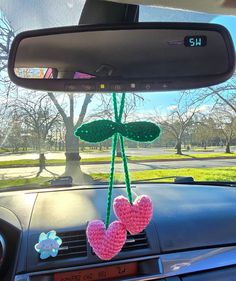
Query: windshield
column 37, row 143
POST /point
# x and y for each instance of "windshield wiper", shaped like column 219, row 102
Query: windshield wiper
column 177, row 179
column 66, row 181
column 187, row 180
column 216, row 183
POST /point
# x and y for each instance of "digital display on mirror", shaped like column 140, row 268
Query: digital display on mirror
column 195, row 41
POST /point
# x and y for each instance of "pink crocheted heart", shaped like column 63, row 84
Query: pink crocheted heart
column 106, row 243
column 135, row 217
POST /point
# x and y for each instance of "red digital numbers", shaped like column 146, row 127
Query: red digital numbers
column 100, row 273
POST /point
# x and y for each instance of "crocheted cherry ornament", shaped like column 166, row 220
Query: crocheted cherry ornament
column 135, row 217
column 108, row 239
column 106, row 243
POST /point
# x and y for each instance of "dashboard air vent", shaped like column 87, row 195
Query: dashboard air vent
column 74, row 245
column 136, row 242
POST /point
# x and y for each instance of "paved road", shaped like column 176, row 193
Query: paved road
column 104, row 168
column 130, row 152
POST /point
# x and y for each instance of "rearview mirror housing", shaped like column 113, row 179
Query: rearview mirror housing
column 132, row 58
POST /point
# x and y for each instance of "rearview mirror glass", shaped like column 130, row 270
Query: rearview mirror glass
column 140, row 57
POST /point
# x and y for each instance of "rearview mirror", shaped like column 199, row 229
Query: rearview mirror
column 132, row 58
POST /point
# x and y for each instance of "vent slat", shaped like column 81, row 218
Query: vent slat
column 80, row 254
column 75, row 243
column 136, row 238
column 74, row 247
column 135, row 245
column 141, row 235
column 71, row 237
column 136, row 242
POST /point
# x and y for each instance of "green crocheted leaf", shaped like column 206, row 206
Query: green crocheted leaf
column 141, row 131
column 96, row 131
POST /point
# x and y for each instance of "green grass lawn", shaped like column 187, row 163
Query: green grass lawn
column 23, row 162
column 4, row 150
column 206, row 174
column 85, row 160
column 35, row 162
column 94, row 150
column 100, row 159
column 40, row 181
column 185, row 156
column 162, row 157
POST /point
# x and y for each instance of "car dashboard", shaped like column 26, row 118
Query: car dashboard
column 192, row 235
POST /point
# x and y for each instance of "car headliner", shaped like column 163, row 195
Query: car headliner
column 227, row 7
column 62, row 13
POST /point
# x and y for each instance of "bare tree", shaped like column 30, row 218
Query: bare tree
column 223, row 100
column 105, row 107
column 203, row 131
column 39, row 118
column 13, row 139
column 6, row 87
column 224, row 94
column 6, row 36
column 177, row 120
column 72, row 144
column 226, row 125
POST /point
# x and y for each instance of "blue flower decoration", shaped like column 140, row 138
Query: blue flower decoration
column 48, row 244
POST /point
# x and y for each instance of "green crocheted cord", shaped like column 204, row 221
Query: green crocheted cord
column 101, row 130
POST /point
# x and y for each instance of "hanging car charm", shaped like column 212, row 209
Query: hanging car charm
column 108, row 239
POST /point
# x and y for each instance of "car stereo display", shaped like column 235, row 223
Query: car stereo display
column 100, row 273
